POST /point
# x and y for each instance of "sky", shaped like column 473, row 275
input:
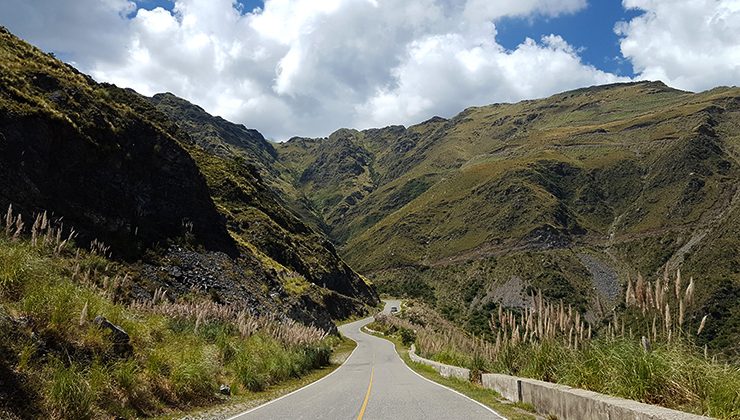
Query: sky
column 309, row 67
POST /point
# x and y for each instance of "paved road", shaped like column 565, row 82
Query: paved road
column 374, row 383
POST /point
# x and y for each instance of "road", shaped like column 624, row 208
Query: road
column 374, row 383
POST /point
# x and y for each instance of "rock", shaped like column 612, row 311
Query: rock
column 121, row 340
column 224, row 390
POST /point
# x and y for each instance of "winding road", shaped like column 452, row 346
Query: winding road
column 374, row 383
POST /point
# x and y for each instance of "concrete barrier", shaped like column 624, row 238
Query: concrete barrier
column 561, row 401
column 565, row 402
column 508, row 386
column 446, row 371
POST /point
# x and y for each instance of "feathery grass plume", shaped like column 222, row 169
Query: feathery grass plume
column 645, row 342
column 35, row 228
column 702, row 324
column 640, row 291
column 678, row 286
column 61, row 244
column 198, row 321
column 689, row 295
column 18, row 227
column 667, row 318
column 649, row 300
column 83, row 315
column 99, row 248
column 9, row 220
column 681, row 313
column 629, row 295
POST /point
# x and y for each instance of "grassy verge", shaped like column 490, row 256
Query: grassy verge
column 670, row 372
column 476, row 392
column 241, row 403
column 58, row 360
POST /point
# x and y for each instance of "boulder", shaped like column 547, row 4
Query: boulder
column 121, row 340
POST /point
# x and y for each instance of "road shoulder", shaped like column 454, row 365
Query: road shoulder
column 477, row 393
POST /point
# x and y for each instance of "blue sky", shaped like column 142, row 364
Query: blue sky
column 591, row 30
column 309, row 67
column 248, row 5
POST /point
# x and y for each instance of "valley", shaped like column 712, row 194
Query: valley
column 153, row 255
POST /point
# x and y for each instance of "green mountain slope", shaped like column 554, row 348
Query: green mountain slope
column 163, row 192
column 242, row 173
column 570, row 194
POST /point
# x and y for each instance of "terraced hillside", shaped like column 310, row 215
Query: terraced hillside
column 570, row 194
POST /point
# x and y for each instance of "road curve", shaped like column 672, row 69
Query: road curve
column 374, row 383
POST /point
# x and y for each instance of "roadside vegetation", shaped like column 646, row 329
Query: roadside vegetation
column 646, row 352
column 74, row 346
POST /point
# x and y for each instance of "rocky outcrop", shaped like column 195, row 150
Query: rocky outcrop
column 67, row 146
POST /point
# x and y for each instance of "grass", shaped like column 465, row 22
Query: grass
column 668, row 369
column 251, row 399
column 177, row 355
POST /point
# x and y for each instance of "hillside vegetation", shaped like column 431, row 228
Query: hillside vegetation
column 71, row 346
column 122, row 172
column 549, row 341
column 568, row 194
column 148, row 256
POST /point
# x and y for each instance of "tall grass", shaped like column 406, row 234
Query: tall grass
column 644, row 353
column 182, row 351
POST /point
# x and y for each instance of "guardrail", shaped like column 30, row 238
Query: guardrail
column 562, row 401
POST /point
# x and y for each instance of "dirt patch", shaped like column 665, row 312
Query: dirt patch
column 510, row 294
column 604, row 278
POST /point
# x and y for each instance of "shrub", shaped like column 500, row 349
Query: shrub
column 408, row 336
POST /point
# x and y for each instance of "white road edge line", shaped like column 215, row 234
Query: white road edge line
column 297, row 390
column 437, row 383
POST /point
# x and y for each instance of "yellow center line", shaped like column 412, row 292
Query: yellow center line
column 367, row 395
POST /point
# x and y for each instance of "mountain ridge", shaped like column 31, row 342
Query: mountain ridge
column 628, row 173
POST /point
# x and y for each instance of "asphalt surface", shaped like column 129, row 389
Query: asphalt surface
column 374, row 383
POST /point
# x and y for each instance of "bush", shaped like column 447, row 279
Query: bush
column 260, row 361
column 408, row 336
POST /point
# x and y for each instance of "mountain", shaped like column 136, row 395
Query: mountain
column 571, row 194
column 244, row 178
column 176, row 194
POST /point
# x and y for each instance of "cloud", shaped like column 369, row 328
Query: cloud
column 445, row 73
column 306, row 67
column 689, row 44
column 78, row 30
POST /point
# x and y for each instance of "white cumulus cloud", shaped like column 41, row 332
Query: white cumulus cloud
column 307, row 67
column 689, row 44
